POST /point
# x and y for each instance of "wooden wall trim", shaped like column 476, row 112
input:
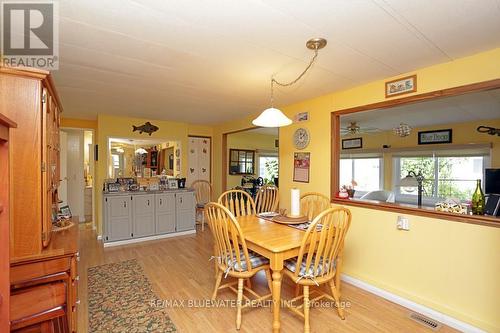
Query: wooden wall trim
column 335, row 152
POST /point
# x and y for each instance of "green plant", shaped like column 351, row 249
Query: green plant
column 272, row 168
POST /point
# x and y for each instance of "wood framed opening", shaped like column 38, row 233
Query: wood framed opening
column 395, row 207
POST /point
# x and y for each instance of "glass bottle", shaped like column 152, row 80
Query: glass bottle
column 477, row 205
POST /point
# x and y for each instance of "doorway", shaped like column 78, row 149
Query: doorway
column 251, row 158
column 76, row 188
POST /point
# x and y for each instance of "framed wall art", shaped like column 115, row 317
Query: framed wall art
column 434, row 137
column 301, row 166
column 353, row 143
column 404, row 85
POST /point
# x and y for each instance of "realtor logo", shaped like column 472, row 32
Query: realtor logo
column 30, row 33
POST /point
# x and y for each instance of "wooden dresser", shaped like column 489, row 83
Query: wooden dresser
column 5, row 125
column 43, row 263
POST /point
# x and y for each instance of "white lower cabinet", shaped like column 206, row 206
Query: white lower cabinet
column 118, row 211
column 141, row 215
column 144, row 215
column 165, row 213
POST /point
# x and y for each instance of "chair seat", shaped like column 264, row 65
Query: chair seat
column 256, row 260
column 291, row 265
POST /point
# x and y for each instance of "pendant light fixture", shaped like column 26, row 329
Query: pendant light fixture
column 273, row 117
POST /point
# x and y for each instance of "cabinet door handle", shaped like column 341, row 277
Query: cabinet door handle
column 124, row 204
column 181, row 199
column 148, row 202
column 160, row 201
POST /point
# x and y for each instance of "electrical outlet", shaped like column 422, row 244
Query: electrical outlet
column 403, row 223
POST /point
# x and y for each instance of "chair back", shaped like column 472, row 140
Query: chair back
column 202, row 191
column 312, row 203
column 230, row 247
column 320, row 249
column 238, row 202
column 267, row 199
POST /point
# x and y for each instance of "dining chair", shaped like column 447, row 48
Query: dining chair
column 203, row 194
column 267, row 199
column 316, row 263
column 313, row 203
column 233, row 258
column 239, row 202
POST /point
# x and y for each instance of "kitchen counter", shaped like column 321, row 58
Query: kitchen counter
column 147, row 192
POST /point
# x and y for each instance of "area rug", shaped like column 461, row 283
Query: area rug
column 120, row 297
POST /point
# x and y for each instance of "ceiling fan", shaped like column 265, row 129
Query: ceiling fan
column 353, row 128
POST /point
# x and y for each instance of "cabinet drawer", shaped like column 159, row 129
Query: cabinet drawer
column 35, row 270
column 34, row 300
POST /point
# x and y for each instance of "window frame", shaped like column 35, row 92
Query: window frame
column 239, row 163
column 359, row 192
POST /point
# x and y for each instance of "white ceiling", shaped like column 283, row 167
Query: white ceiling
column 211, row 61
column 458, row 109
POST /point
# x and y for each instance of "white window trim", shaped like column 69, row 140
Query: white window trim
column 426, row 200
column 380, row 176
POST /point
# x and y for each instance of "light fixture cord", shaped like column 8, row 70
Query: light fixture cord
column 273, row 80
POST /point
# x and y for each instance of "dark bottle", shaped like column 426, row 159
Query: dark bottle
column 477, row 205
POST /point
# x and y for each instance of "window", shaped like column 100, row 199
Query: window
column 444, row 177
column 268, row 167
column 241, row 162
column 367, row 172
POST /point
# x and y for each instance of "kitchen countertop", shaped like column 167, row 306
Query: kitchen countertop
column 147, row 192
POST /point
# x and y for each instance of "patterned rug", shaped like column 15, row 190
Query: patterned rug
column 120, row 295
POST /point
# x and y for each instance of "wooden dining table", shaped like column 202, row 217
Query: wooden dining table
column 277, row 242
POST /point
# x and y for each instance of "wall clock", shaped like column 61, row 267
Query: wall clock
column 301, row 138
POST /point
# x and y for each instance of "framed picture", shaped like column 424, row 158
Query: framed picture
column 434, row 137
column 301, row 116
column 172, row 184
column 404, row 85
column 353, row 143
column 301, row 166
column 65, row 211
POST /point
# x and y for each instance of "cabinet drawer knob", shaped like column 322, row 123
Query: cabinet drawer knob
column 77, row 278
column 77, row 302
column 160, row 201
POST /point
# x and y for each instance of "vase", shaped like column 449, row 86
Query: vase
column 477, row 205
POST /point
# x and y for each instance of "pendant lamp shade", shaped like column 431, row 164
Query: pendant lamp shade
column 272, row 117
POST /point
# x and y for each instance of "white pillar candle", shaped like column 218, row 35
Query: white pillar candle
column 295, row 202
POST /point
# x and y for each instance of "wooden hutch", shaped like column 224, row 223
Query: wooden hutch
column 43, row 263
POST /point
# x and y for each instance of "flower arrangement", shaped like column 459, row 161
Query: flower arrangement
column 349, row 188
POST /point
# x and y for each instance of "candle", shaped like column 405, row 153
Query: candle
column 295, row 202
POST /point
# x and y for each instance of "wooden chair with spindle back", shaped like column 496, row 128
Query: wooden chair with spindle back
column 239, row 202
column 203, row 194
column 313, row 203
column 267, row 199
column 316, row 263
column 233, row 258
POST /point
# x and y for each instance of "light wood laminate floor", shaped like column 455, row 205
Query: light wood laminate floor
column 179, row 269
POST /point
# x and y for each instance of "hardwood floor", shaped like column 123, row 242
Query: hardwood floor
column 179, row 269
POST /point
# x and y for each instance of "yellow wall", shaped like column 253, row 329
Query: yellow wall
column 451, row 267
column 251, row 141
column 78, row 123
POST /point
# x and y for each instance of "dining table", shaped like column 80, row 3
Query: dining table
column 277, row 242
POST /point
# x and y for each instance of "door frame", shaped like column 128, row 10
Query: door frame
column 93, row 171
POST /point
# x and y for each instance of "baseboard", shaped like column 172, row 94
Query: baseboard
column 149, row 238
column 436, row 315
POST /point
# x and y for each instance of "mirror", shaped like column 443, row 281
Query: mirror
column 422, row 154
column 143, row 157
